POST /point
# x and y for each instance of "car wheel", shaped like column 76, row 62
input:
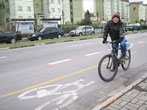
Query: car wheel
column 59, row 36
column 92, row 33
column 80, row 34
column 39, row 38
column 13, row 41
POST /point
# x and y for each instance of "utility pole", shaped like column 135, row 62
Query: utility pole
column 63, row 14
column 97, row 14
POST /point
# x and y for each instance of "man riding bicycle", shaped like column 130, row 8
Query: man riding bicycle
column 115, row 28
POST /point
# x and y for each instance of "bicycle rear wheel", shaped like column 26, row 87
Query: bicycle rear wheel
column 126, row 64
column 104, row 68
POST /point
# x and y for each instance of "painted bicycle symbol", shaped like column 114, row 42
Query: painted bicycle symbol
column 61, row 95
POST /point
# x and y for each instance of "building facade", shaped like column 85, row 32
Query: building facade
column 99, row 9
column 76, row 10
column 106, row 8
column 22, row 9
column 138, row 11
column 5, row 12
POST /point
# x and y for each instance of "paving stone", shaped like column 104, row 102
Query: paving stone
column 130, row 107
column 118, row 101
column 135, row 91
column 124, row 109
column 134, row 100
column 129, row 93
column 111, row 108
column 140, row 102
column 142, row 108
column 143, row 93
column 134, row 94
column 123, row 103
column 133, row 105
column 142, row 97
column 116, row 106
column 126, row 99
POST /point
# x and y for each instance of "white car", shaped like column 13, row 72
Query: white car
column 82, row 30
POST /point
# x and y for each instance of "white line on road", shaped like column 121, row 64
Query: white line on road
column 141, row 42
column 59, row 62
column 93, row 54
column 78, row 45
column 3, row 57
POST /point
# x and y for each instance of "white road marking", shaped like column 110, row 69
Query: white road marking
column 3, row 57
column 141, row 42
column 59, row 62
column 93, row 54
column 78, row 45
column 62, row 95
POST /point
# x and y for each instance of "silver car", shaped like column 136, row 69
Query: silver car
column 82, row 30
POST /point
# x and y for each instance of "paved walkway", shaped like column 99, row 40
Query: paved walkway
column 134, row 97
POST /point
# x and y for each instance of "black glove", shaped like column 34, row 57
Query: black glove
column 104, row 41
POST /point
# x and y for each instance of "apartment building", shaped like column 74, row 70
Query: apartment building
column 66, row 10
column 76, row 7
column 138, row 11
column 5, row 12
column 99, row 9
column 105, row 8
column 22, row 9
column 125, row 10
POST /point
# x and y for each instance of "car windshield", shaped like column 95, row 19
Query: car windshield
column 79, row 28
column 41, row 30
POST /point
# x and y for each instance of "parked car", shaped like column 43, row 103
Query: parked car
column 46, row 33
column 133, row 27
column 10, row 37
column 82, row 30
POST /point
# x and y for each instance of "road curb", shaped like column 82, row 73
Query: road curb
column 119, row 94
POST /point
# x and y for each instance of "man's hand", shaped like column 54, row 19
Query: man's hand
column 104, row 41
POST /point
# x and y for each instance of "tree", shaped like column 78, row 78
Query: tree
column 2, row 5
column 86, row 20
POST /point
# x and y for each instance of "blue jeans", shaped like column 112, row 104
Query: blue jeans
column 122, row 46
column 123, row 49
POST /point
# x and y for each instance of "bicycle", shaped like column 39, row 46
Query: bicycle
column 111, row 61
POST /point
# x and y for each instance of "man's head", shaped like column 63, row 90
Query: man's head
column 116, row 17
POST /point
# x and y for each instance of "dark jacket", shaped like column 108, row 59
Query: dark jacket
column 115, row 30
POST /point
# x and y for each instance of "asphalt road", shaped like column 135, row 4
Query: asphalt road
column 63, row 76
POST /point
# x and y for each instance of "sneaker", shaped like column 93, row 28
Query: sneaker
column 112, row 69
column 122, row 59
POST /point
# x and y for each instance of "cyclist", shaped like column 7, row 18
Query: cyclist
column 115, row 28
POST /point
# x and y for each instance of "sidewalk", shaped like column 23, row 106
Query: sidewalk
column 133, row 97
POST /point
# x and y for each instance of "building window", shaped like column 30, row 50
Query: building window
column 52, row 1
column 37, row 5
column 59, row 10
column 7, row 19
column 28, row 8
column 19, row 8
column 20, row 17
column 58, row 1
column 29, row 16
column 53, row 9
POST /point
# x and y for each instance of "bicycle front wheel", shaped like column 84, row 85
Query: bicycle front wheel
column 107, row 68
